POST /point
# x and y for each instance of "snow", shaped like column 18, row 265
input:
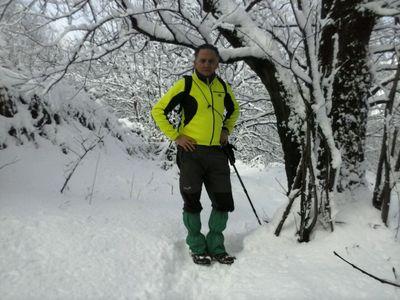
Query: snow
column 116, row 231
column 382, row 8
column 129, row 242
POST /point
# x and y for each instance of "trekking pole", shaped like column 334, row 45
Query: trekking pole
column 228, row 150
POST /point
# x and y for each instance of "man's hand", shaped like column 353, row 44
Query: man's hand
column 224, row 137
column 186, row 142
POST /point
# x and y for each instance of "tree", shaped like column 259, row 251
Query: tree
column 389, row 160
column 352, row 27
column 385, row 108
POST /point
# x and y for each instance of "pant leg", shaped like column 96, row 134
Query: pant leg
column 190, row 184
column 215, row 238
column 218, row 181
column 195, row 239
column 190, row 180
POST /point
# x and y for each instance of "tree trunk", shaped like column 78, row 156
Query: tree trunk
column 279, row 98
column 385, row 194
column 268, row 74
column 351, row 84
column 382, row 192
column 376, row 198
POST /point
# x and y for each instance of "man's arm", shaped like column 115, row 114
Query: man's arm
column 232, row 111
column 166, row 104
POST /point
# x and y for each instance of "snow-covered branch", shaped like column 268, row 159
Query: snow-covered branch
column 383, row 7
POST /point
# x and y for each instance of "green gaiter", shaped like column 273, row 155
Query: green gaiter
column 195, row 239
column 215, row 238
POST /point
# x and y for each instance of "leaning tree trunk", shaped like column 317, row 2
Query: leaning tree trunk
column 382, row 190
column 351, row 85
column 279, row 98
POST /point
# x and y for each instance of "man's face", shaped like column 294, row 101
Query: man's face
column 206, row 62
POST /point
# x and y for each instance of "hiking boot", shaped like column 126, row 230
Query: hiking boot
column 224, row 258
column 201, row 259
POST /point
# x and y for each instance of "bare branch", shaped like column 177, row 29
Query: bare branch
column 81, row 157
column 251, row 5
column 366, row 273
column 6, row 5
column 9, row 163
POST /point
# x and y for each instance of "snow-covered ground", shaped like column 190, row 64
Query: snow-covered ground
column 126, row 239
column 116, row 231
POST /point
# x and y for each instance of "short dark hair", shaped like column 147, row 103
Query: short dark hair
column 206, row 46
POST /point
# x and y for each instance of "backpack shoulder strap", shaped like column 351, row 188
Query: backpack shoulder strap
column 188, row 87
column 188, row 84
column 223, row 84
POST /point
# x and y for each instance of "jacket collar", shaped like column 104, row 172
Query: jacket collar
column 205, row 79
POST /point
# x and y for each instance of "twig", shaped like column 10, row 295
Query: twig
column 87, row 150
column 295, row 222
column 151, row 178
column 366, row 273
column 132, row 180
column 94, row 179
column 5, row 9
column 283, row 188
column 293, row 194
column 9, row 163
column 266, row 218
column 139, row 194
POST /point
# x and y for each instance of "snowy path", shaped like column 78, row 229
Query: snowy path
column 62, row 257
column 130, row 245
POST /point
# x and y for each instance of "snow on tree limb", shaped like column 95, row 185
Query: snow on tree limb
column 383, row 7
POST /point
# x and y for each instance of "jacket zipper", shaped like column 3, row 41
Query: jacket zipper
column 212, row 108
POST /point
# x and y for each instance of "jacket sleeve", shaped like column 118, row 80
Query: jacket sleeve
column 232, row 110
column 166, row 104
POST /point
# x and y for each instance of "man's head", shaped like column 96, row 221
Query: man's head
column 206, row 59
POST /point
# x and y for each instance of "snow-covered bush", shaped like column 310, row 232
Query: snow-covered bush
column 64, row 117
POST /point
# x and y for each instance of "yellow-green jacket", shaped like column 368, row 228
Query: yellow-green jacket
column 204, row 113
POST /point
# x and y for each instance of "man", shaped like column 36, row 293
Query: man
column 208, row 115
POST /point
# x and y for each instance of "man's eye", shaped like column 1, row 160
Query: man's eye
column 203, row 61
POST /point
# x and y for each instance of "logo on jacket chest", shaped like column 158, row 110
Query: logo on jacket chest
column 219, row 95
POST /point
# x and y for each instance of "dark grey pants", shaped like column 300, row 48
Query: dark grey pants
column 208, row 165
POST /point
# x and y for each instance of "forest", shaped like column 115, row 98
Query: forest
column 317, row 82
